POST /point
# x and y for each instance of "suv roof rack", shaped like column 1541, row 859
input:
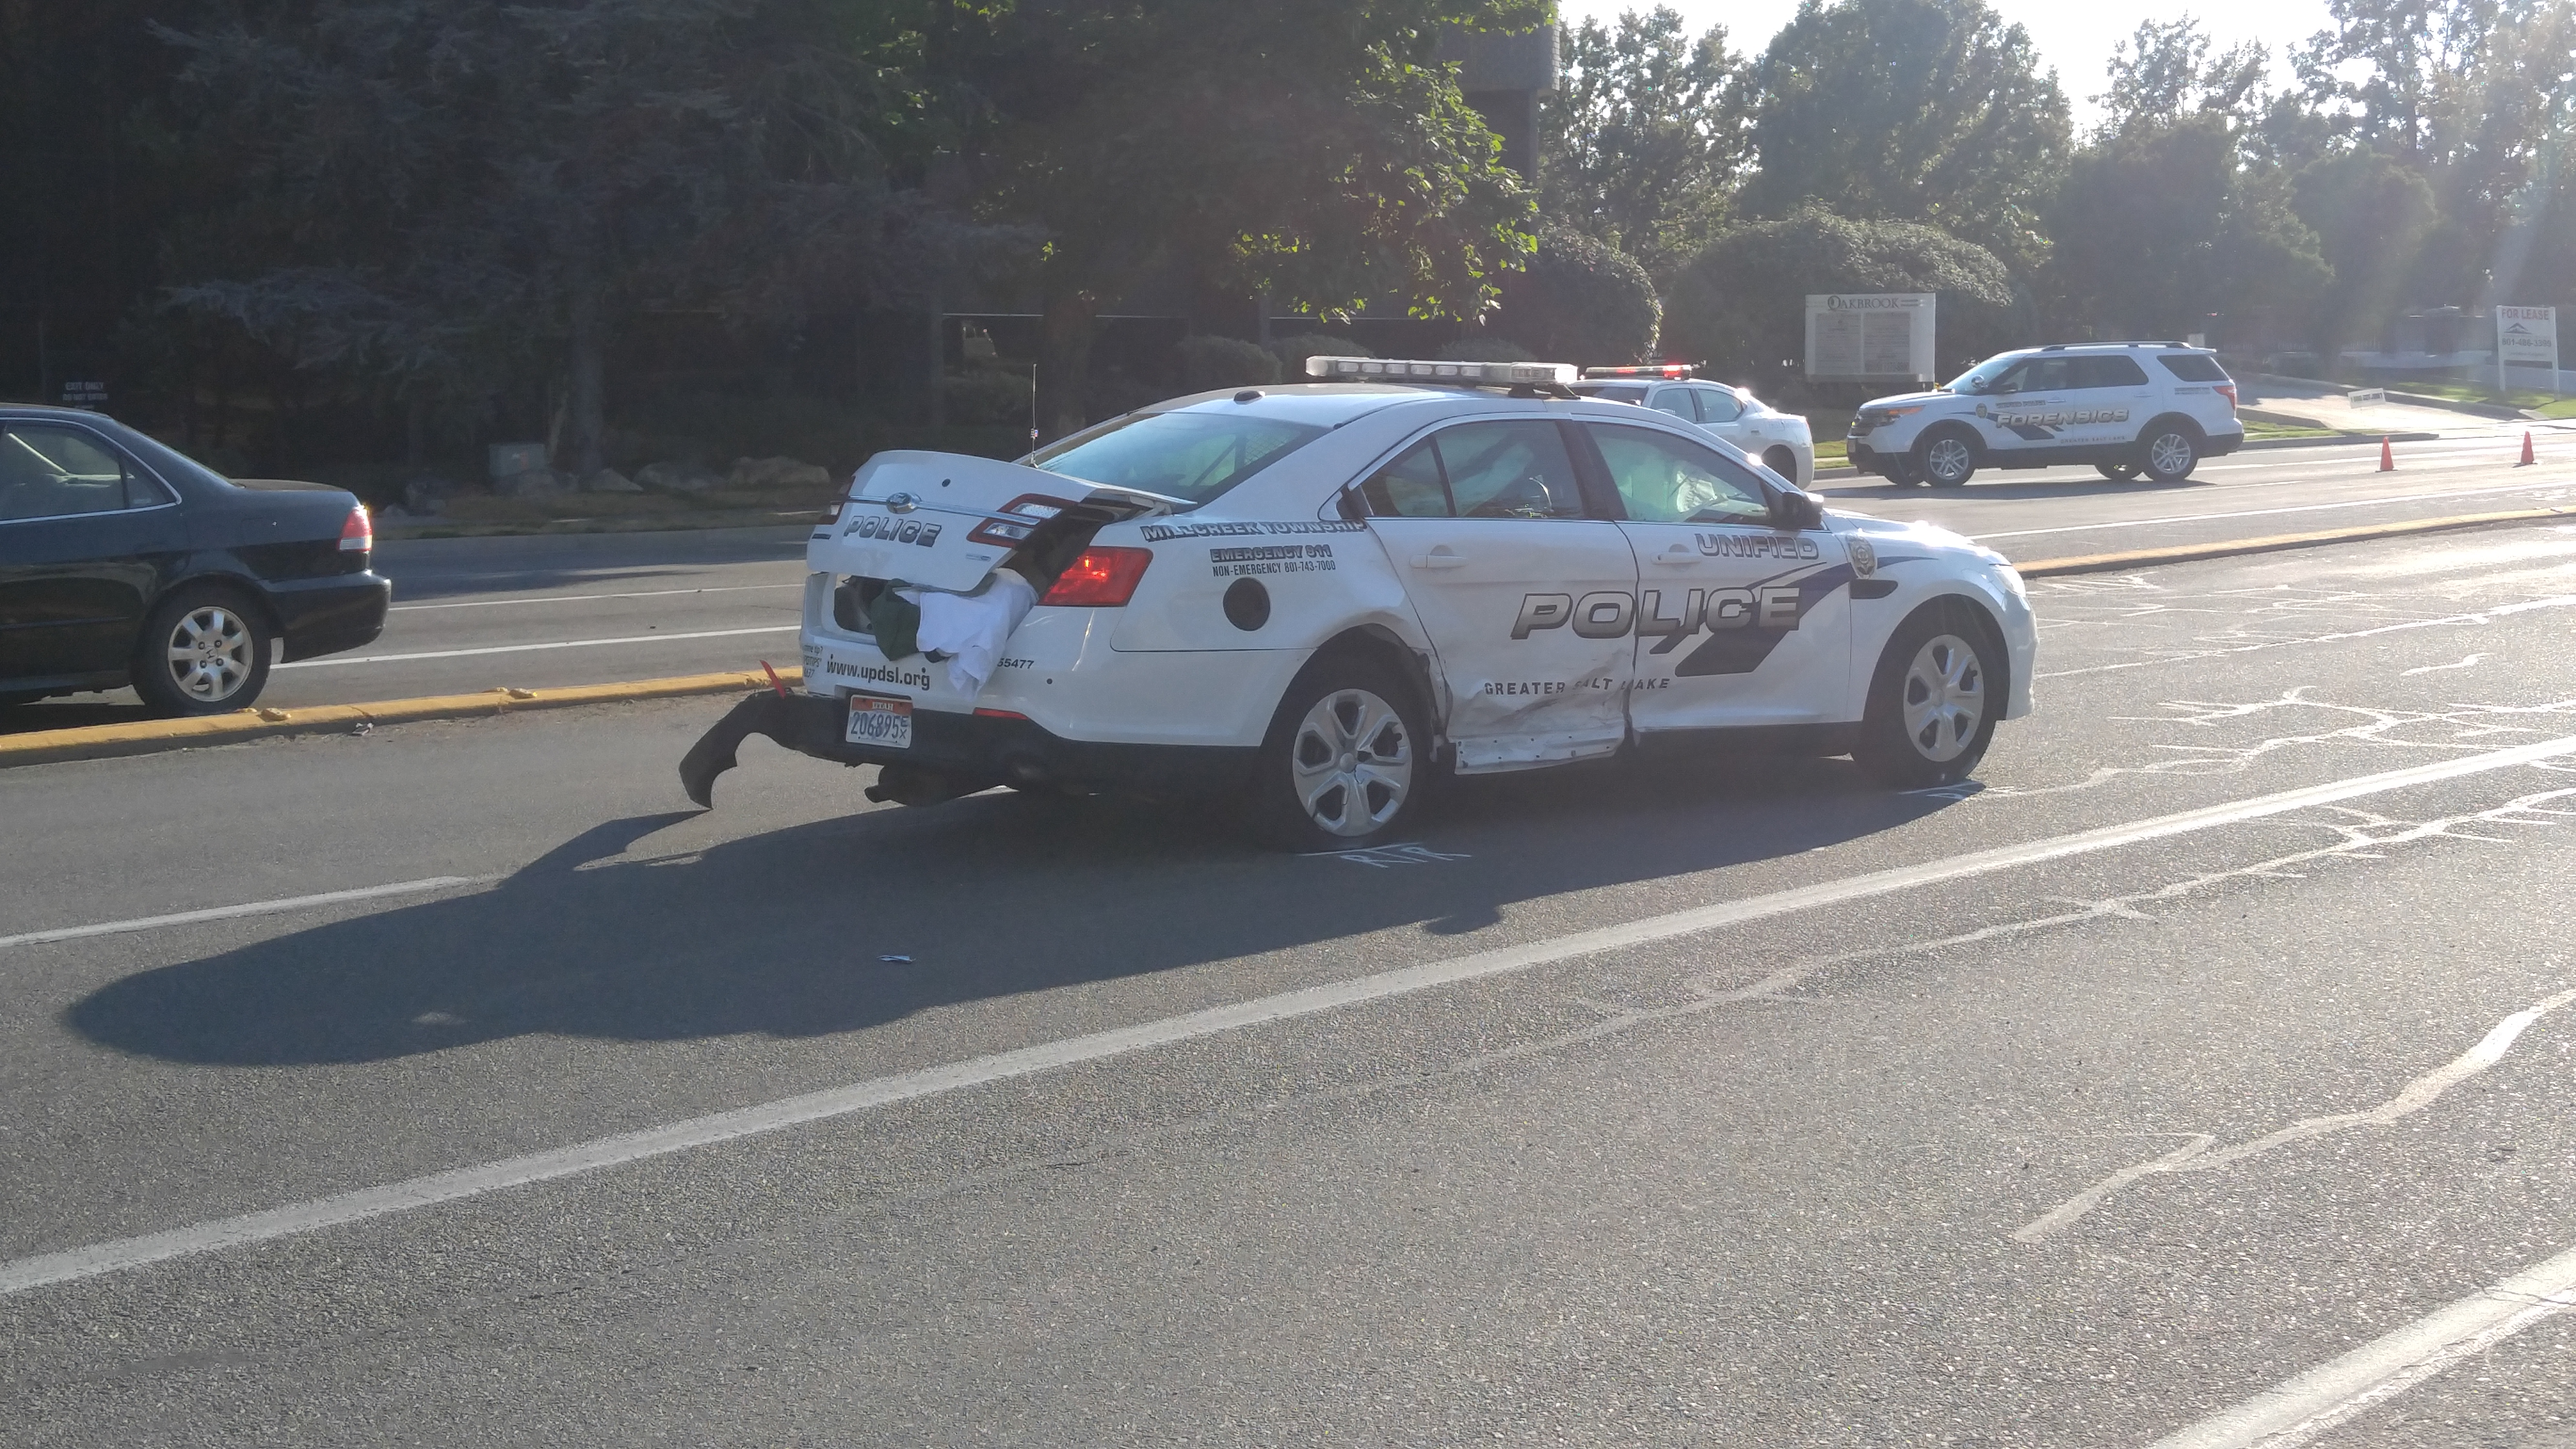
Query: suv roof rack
column 2062, row 346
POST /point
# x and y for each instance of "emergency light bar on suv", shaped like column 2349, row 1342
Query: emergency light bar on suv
column 1398, row 369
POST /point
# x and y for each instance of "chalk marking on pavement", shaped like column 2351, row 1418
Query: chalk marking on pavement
column 593, row 598
column 2296, row 1411
column 252, row 908
column 2482, row 616
column 2534, row 486
column 2419, row 1094
column 118, row 1255
column 338, row 661
column 2469, row 663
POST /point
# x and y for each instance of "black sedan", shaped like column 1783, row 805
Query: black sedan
column 124, row 561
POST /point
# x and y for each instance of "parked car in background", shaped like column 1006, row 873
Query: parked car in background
column 1778, row 441
column 2127, row 408
column 123, row 561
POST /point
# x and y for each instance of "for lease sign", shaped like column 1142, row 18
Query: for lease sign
column 2527, row 336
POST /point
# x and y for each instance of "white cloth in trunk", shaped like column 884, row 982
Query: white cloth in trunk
column 971, row 628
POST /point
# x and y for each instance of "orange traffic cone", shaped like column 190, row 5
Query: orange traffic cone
column 2527, row 458
column 2387, row 459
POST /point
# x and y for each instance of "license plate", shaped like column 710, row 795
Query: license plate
column 884, row 723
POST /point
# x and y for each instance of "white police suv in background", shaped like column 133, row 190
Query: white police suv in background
column 1779, row 440
column 2127, row 408
column 1309, row 597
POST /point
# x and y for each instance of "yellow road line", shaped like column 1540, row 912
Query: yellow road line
column 2096, row 563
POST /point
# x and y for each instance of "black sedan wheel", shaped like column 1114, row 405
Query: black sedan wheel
column 202, row 652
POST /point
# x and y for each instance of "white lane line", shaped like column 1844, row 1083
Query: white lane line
column 2483, row 616
column 2469, row 663
column 2295, row 1412
column 253, row 908
column 336, row 662
column 2534, row 486
column 592, row 598
column 121, row 1254
column 2196, row 1156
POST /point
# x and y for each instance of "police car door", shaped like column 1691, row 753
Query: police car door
column 1526, row 595
column 1739, row 622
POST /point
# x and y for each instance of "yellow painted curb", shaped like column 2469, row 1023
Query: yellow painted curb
column 2096, row 563
column 99, row 742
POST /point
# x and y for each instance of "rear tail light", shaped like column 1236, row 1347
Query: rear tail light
column 2228, row 392
column 357, row 535
column 832, row 514
column 1103, row 578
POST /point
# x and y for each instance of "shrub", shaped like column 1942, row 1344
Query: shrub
column 1485, row 349
column 988, row 396
column 1580, row 301
column 1740, row 305
column 1209, row 363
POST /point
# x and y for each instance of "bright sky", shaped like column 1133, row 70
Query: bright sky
column 2075, row 38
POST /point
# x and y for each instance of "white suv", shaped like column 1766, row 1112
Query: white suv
column 2127, row 408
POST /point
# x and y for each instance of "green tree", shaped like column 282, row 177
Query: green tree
column 2160, row 223
column 1931, row 111
column 1581, row 301
column 1314, row 152
column 2164, row 72
column 430, row 189
column 1645, row 136
column 1741, row 303
column 2371, row 213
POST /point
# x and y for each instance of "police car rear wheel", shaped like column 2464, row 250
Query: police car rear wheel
column 1931, row 708
column 1345, row 762
column 2171, row 453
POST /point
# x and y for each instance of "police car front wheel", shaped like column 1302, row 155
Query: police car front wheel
column 1931, row 706
column 1345, row 761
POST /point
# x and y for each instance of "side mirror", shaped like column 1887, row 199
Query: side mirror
column 1794, row 510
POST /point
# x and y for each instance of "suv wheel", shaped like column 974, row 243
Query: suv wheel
column 1946, row 458
column 202, row 652
column 1346, row 760
column 2171, row 450
column 2117, row 472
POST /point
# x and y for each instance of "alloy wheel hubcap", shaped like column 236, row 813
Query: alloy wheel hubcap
column 1945, row 698
column 210, row 654
column 2171, row 453
column 1948, row 459
column 1352, row 762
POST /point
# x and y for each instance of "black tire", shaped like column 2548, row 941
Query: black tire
column 1782, row 462
column 204, row 650
column 1913, row 735
column 1946, row 457
column 2117, row 472
column 1347, row 760
column 2169, row 449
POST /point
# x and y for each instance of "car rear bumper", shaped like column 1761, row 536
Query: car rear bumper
column 2219, row 445
column 328, row 615
column 969, row 752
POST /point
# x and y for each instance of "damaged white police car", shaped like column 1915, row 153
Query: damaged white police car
column 1310, row 597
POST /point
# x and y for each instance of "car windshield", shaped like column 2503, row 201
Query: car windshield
column 1189, row 455
column 1983, row 375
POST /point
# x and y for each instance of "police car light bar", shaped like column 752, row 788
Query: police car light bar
column 1674, row 370
column 1398, row 369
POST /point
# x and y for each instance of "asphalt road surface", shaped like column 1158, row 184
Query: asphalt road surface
column 2222, row 1034
column 475, row 614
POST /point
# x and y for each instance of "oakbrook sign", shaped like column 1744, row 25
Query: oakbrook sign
column 1870, row 335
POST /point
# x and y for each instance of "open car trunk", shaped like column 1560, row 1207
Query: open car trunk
column 947, row 520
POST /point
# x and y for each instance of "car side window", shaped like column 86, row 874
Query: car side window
column 1479, row 470
column 1410, row 487
column 52, row 472
column 1717, row 405
column 2108, row 372
column 2041, row 374
column 1677, row 401
column 1664, row 479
